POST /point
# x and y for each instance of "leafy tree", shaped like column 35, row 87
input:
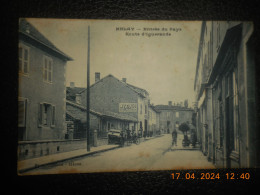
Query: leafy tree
column 184, row 127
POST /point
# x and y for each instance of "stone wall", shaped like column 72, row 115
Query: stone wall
column 34, row 149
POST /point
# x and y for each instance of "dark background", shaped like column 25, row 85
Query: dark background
column 126, row 182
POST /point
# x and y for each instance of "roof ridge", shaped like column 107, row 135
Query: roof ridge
column 134, row 86
column 110, row 75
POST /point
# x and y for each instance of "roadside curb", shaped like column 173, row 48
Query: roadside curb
column 19, row 172
column 173, row 149
column 157, row 136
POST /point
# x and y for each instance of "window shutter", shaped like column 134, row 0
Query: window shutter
column 20, row 59
column 25, row 65
column 40, row 115
column 53, row 116
column 21, row 113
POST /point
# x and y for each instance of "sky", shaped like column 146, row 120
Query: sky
column 163, row 65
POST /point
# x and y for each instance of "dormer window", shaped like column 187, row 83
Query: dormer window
column 78, row 98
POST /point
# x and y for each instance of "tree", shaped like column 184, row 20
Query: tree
column 184, row 128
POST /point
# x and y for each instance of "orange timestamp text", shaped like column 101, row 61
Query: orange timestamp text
column 210, row 176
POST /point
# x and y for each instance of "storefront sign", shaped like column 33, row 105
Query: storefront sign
column 127, row 107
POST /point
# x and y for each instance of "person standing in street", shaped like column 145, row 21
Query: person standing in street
column 174, row 137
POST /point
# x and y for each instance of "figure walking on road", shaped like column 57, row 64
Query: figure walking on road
column 174, row 137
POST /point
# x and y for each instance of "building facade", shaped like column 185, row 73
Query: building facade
column 113, row 97
column 42, row 90
column 153, row 122
column 171, row 116
column 102, row 122
column 225, row 94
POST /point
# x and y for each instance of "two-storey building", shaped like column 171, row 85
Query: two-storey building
column 171, row 116
column 125, row 106
column 42, row 90
column 41, row 94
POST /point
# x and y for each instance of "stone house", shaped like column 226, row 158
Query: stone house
column 41, row 95
column 171, row 116
column 117, row 97
column 42, row 90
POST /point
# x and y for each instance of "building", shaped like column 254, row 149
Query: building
column 102, row 122
column 72, row 92
column 42, row 90
column 153, row 120
column 171, row 116
column 225, row 94
column 111, row 96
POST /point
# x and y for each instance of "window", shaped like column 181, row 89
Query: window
column 221, row 128
column 47, row 113
column 145, row 109
column 141, row 108
column 218, row 36
column 23, row 59
column 47, row 69
column 232, row 110
column 235, row 111
column 168, row 115
column 22, row 107
column 177, row 114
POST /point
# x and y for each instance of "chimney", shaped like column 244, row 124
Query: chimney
column 72, row 84
column 97, row 76
column 124, row 80
column 170, row 103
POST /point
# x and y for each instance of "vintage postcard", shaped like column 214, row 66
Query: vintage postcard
column 130, row 95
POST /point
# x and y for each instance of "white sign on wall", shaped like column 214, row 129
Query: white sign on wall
column 127, row 107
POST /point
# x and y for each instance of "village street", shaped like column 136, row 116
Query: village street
column 154, row 154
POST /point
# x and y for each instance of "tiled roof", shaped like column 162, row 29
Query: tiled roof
column 168, row 107
column 137, row 90
column 79, row 112
column 120, row 116
column 153, row 107
column 27, row 29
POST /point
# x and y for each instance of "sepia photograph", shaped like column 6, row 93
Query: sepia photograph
column 99, row 96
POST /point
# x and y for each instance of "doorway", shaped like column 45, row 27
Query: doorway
column 145, row 128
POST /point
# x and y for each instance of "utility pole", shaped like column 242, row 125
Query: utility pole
column 88, row 94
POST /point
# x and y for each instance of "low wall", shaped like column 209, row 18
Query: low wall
column 34, row 149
